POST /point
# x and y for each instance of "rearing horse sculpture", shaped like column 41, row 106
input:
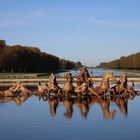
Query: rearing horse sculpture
column 84, row 81
column 122, row 86
column 15, row 90
column 104, row 86
column 83, row 76
column 68, row 86
column 53, row 85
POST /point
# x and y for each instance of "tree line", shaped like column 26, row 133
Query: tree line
column 19, row 58
column 124, row 62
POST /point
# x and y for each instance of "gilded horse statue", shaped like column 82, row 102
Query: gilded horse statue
column 83, row 76
column 53, row 85
column 68, row 87
column 82, row 89
column 122, row 86
column 84, row 81
column 15, row 90
column 42, row 89
column 104, row 85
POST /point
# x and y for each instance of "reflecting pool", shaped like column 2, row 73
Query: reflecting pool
column 72, row 119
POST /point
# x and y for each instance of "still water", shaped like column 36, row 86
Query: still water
column 32, row 118
column 98, row 72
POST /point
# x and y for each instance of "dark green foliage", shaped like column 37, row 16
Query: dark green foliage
column 128, row 62
column 2, row 44
column 66, row 64
column 28, row 59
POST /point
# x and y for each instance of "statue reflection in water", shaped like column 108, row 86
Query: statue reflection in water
column 18, row 100
column 122, row 103
column 53, row 104
column 68, row 104
column 84, row 105
column 105, row 106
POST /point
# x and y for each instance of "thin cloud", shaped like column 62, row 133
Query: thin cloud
column 31, row 14
column 26, row 14
column 20, row 18
column 12, row 23
column 109, row 23
column 73, row 33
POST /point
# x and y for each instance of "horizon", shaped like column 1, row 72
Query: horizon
column 88, row 31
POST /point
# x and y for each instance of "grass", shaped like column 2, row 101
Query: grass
column 46, row 74
column 17, row 75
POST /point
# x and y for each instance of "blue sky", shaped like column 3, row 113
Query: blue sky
column 90, row 31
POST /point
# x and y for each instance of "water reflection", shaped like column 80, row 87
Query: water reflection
column 18, row 100
column 83, row 104
column 97, row 72
column 68, row 104
column 105, row 106
column 122, row 104
column 53, row 104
